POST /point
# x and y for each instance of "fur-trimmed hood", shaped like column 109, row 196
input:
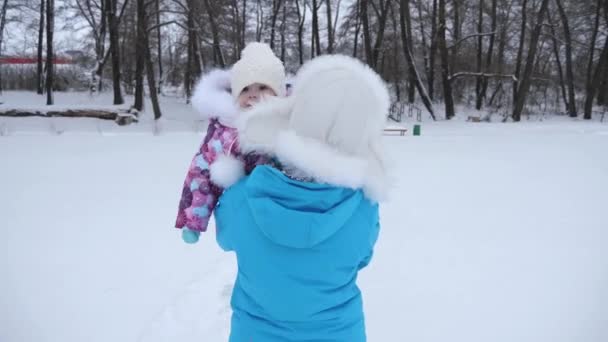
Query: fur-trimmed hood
column 329, row 129
column 212, row 97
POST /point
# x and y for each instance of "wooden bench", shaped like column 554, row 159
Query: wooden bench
column 400, row 130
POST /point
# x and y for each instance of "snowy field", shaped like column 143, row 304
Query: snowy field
column 494, row 233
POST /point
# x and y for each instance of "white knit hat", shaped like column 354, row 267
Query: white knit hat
column 258, row 64
column 330, row 128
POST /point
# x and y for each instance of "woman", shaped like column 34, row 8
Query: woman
column 303, row 231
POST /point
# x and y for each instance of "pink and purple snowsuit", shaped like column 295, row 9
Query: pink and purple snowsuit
column 200, row 195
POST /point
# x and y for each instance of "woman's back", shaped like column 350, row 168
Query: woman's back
column 299, row 247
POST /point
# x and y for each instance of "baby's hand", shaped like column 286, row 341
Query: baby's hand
column 190, row 236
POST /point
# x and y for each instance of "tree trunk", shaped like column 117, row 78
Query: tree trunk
column 445, row 63
column 433, row 52
column 160, row 49
column 602, row 95
column 39, row 70
column 425, row 52
column 411, row 89
column 381, row 29
column 243, row 27
column 217, row 49
column 193, row 67
column 259, row 24
column 315, row 30
column 357, row 29
column 301, row 20
column 479, row 80
column 115, row 50
column 597, row 78
column 395, row 71
column 101, row 52
column 151, row 81
column 140, row 56
column 3, row 11
column 50, row 25
column 589, row 79
column 236, row 31
column 367, row 39
column 484, row 84
column 457, row 24
column 520, row 51
column 143, row 27
column 407, row 51
column 569, row 73
column 330, row 31
column 276, row 7
column 283, row 28
column 522, row 91
column 501, row 53
column 560, row 72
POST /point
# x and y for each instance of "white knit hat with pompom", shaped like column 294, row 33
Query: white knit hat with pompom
column 258, row 64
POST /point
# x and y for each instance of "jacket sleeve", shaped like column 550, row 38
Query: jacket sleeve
column 199, row 194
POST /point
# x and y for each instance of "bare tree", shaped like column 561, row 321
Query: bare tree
column 276, row 8
column 50, row 26
column 479, row 80
column 520, row 51
column 139, row 56
column 144, row 59
column 382, row 16
column 571, row 105
column 316, row 41
column 357, row 27
column 433, row 52
column 558, row 62
column 445, row 63
column 407, row 51
column 372, row 53
column 589, row 79
column 194, row 56
column 113, row 21
column 602, row 63
column 94, row 14
column 494, row 25
column 3, row 11
column 330, row 31
column 283, row 32
column 411, row 89
column 39, row 69
column 218, row 56
column 524, row 87
column 159, row 47
column 367, row 38
column 301, row 19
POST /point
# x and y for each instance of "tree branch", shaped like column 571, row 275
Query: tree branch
column 154, row 27
column 122, row 11
column 469, row 37
column 481, row 74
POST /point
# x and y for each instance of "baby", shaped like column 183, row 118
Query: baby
column 220, row 96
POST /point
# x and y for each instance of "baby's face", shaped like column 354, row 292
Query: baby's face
column 252, row 94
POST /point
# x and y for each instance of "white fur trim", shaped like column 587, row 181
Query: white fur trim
column 212, row 97
column 226, row 170
column 328, row 165
column 259, row 126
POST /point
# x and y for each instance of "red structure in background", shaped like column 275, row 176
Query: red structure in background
column 32, row 60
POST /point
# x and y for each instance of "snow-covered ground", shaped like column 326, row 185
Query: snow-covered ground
column 495, row 232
